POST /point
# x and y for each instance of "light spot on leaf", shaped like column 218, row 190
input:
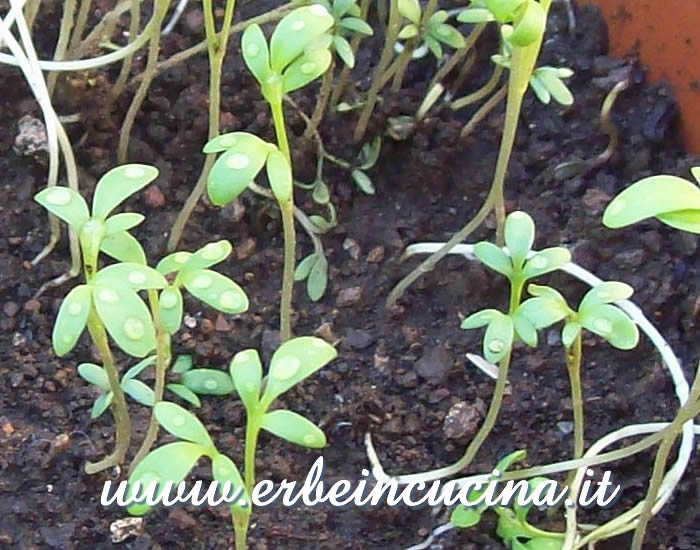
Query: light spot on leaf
column 287, row 367
column 496, row 346
column 109, row 296
column 168, row 300
column 136, row 278
column 133, row 328
column 202, row 281
column 213, row 251
column 181, row 257
column 319, row 10
column 59, row 197
column 75, row 308
column 211, row 384
column 237, row 161
column 308, row 67
column 252, row 51
column 309, row 439
column 603, row 325
column 617, row 206
column 134, row 172
column 179, row 420
column 230, row 299
column 539, row 262
column 298, row 25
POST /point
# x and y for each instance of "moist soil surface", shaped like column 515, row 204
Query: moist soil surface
column 399, row 371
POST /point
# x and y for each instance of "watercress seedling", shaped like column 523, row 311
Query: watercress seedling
column 436, row 31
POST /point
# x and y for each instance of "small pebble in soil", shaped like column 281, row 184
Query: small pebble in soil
column 352, row 247
column 463, row 419
column 565, row 427
column 375, row 255
column 325, row 332
column 435, row 364
column 349, row 296
column 358, row 339
column 124, row 528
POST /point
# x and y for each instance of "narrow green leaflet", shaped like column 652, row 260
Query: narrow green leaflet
column 255, row 54
column 207, row 256
column 529, row 26
column 136, row 276
column 65, row 204
column 279, row 175
column 295, row 360
column 612, row 324
column 71, row 319
column 173, row 263
column 295, row 32
column 410, row 9
column 448, row 35
column 606, row 293
column 170, row 308
column 341, row 7
column 184, row 393
column 182, row 423
column 171, row 462
column 118, row 184
column 650, row 197
column 480, row 319
column 520, row 234
column 94, row 374
column 122, row 222
column 540, row 89
column 543, row 312
column 434, row 46
column 208, row 382
column 685, row 220
column 123, row 247
column 139, row 392
column 550, row 78
column 525, row 329
column 182, row 363
column 236, row 168
column 139, row 367
column 217, row 290
column 363, row 182
column 294, row 428
column 475, row 15
column 306, row 68
column 304, row 267
column 463, row 517
column 494, row 257
column 356, row 24
column 569, row 333
column 126, row 318
column 225, row 471
column 546, row 261
column 318, row 278
column 344, row 51
column 498, row 338
column 246, row 372
column 101, row 404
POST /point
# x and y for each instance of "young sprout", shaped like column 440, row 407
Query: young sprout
column 294, row 361
column 436, row 32
column 548, row 84
column 347, row 21
column 672, row 200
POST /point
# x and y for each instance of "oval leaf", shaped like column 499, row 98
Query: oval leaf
column 612, row 324
column 463, row 517
column 295, row 32
column 184, row 393
column 318, row 278
column 182, row 363
column 94, row 374
column 410, row 9
column 546, row 261
column 71, row 319
column 170, row 307
column 543, row 312
column 304, row 267
column 139, row 392
column 65, row 204
column 246, row 372
column 135, row 276
column 208, row 382
column 569, row 333
column 294, row 428
column 305, row 69
column 182, row 423
column 122, row 222
column 123, row 247
column 139, row 367
column 293, row 361
column 207, row 256
column 255, row 54
column 217, row 290
column 355, row 24
column 447, row 34
column 344, row 50
column 498, row 338
column 520, row 234
column 494, row 257
column 480, row 319
column 224, row 470
column 279, row 175
column 101, row 404
column 363, row 182
column 118, row 184
column 606, row 293
column 173, row 263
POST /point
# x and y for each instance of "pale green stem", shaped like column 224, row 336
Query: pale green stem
column 321, row 102
column 134, row 24
column 407, row 54
column 481, row 93
column 342, row 82
column 573, row 367
column 63, row 38
column 81, row 22
column 483, row 111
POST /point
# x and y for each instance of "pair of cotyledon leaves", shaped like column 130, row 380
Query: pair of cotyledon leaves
column 346, row 15
column 437, row 31
column 291, row 363
column 670, row 199
column 548, row 306
column 527, row 18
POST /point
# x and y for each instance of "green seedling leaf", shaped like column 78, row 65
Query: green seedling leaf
column 170, row 308
column 182, row 363
column 71, row 319
column 318, row 278
column 650, row 197
column 236, row 168
column 341, row 7
column 217, row 290
column 569, row 333
column 525, row 329
column 139, row 367
column 550, row 79
column 606, row 293
column 540, row 89
column 125, row 317
column 498, row 338
column 344, row 51
column 543, row 312
column 409, row 31
column 207, row 256
column 208, row 382
column 64, row 203
column 224, row 470
column 171, row 462
column 522, row 511
column 480, row 319
column 494, row 257
column 101, row 404
column 363, row 182
column 612, row 324
column 369, row 154
column 685, row 220
column 410, row 9
column 355, row 24
column 520, row 234
column 122, row 222
column 507, row 461
column 503, row 10
column 139, row 392
column 464, row 518
column 295, row 32
column 94, row 374
column 434, row 46
column 182, row 423
column 321, row 223
column 135, row 276
column 184, row 393
column 294, row 428
column 255, row 54
column 545, row 292
column 541, row 543
column 475, row 15
column 173, row 263
column 119, row 184
column 294, row 361
column 279, row 174
column 321, row 194
column 305, row 69
column 246, row 372
column 447, row 34
column 123, row 247
column 304, row 267
column 529, row 26
column 546, row 261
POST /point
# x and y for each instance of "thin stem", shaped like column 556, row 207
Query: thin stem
column 134, row 24
column 160, row 9
column 119, row 410
column 393, row 29
column 240, row 528
column 280, row 130
column 483, row 111
column 62, row 45
column 321, row 101
column 81, row 22
column 573, row 366
column 481, row 93
column 460, row 54
column 407, row 54
column 342, row 81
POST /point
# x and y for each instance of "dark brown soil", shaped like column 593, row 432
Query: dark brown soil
column 399, row 372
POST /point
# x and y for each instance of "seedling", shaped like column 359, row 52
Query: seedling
column 672, row 200
column 294, row 361
column 436, row 32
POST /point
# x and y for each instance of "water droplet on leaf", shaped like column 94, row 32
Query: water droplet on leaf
column 213, row 251
column 136, row 278
column 211, row 384
column 179, row 420
column 319, row 10
column 539, row 262
column 59, row 197
column 134, row 172
column 287, row 367
column 75, row 308
column 133, row 328
column 202, row 281
column 252, row 50
column 308, row 67
column 298, row 25
column 237, row 161
column 496, row 346
column 109, row 296
column 168, row 300
column 181, row 257
column 230, row 299
column 603, row 325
